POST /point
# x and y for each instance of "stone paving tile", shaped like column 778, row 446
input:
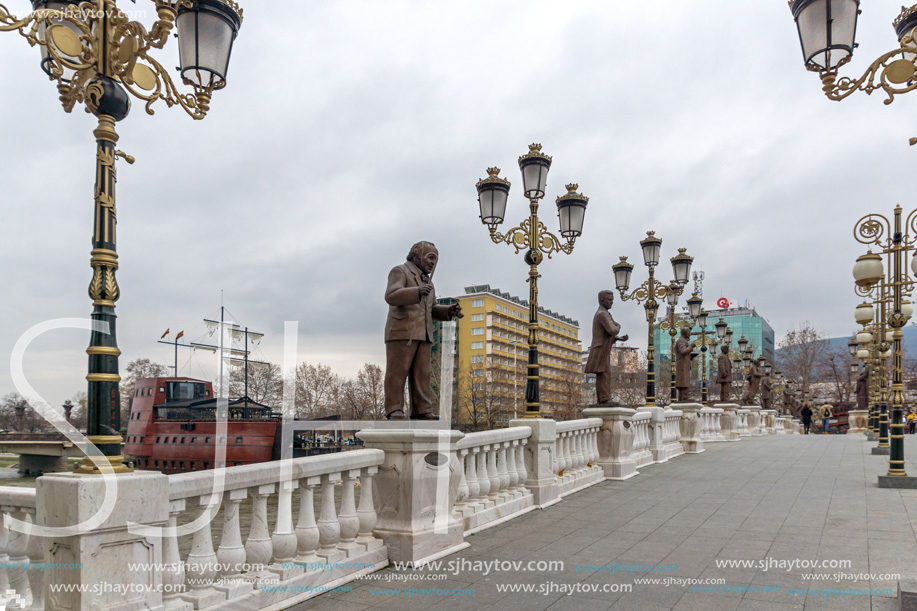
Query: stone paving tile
column 785, row 498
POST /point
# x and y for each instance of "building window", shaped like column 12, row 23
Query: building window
column 477, row 331
column 238, row 441
column 477, row 303
column 477, row 373
column 477, row 386
column 499, row 308
column 477, row 358
column 477, row 317
column 477, row 345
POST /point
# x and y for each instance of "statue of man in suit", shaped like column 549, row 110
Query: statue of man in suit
column 604, row 335
column 684, row 353
column 754, row 383
column 863, row 389
column 767, row 396
column 412, row 308
column 724, row 374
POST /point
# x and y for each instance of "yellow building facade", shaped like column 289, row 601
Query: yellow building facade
column 492, row 357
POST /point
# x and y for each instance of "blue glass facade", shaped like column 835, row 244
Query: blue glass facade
column 741, row 321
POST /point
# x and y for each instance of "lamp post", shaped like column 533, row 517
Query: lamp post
column 532, row 236
column 649, row 292
column 888, row 281
column 516, row 376
column 827, row 34
column 672, row 324
column 100, row 58
column 709, row 343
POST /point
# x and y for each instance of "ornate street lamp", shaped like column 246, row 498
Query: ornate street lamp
column 827, row 35
column 100, row 58
column 888, row 283
column 672, row 324
column 743, row 344
column 532, row 236
column 649, row 292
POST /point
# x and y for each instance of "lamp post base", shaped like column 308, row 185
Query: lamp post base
column 881, row 451
column 89, row 468
column 900, row 482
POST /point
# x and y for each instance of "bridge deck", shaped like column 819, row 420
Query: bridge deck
column 768, row 498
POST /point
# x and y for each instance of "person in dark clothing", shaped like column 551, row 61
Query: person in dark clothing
column 806, row 415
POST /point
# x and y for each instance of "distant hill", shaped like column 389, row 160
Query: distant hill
column 910, row 341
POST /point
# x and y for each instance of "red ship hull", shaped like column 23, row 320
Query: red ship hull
column 171, row 439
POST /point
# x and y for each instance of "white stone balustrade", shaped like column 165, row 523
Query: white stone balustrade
column 664, row 433
column 615, row 441
column 492, row 483
column 754, row 420
column 577, row 447
column 769, row 421
column 230, row 576
column 18, row 549
column 641, row 452
column 711, row 427
column 780, row 426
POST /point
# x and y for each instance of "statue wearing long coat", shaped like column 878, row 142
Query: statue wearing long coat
column 863, row 390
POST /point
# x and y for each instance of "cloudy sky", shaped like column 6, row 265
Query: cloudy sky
column 351, row 129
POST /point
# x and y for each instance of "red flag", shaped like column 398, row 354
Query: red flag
column 164, row 334
column 179, row 336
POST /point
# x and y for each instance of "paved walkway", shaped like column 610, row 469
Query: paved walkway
column 784, row 498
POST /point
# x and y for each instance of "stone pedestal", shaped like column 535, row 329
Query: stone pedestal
column 415, row 491
column 728, row 421
column 541, row 479
column 857, row 420
column 769, row 421
column 616, row 439
column 64, row 500
column 690, row 427
column 754, row 420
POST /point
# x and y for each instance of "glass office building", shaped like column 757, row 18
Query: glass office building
column 742, row 321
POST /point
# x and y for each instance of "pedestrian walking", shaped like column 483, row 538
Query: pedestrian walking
column 806, row 414
column 824, row 413
column 911, row 422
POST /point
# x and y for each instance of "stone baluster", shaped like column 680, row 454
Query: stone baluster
column 349, row 521
column 580, row 455
column 502, row 469
column 559, row 454
column 173, row 576
column 520, row 463
column 36, row 551
column 367, row 511
column 595, row 444
column 4, row 556
column 306, row 529
column 18, row 546
column 231, row 555
column 471, row 476
column 258, row 546
column 329, row 529
column 463, row 491
column 201, row 567
column 511, row 465
column 283, row 540
column 483, row 479
column 492, row 474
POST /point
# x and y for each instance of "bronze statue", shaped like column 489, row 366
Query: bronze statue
column 724, row 374
column 863, row 389
column 412, row 308
column 754, row 383
column 767, row 396
column 684, row 353
column 604, row 335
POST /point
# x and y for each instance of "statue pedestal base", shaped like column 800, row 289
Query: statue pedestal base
column 728, row 421
column 690, row 427
column 616, row 439
column 857, row 420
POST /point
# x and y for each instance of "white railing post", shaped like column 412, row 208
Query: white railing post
column 348, row 519
column 616, row 440
column 173, row 576
column 258, row 546
column 329, row 528
column 367, row 511
column 231, row 553
column 307, row 537
column 201, row 567
column 284, row 541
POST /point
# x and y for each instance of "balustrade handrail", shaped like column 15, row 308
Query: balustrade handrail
column 13, row 496
column 481, row 438
column 565, row 426
column 187, row 485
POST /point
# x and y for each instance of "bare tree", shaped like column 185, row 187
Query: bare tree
column 479, row 403
column 265, row 383
column 835, row 369
column 364, row 396
column 138, row 369
column 571, row 397
column 628, row 382
column 801, row 352
column 318, row 390
column 17, row 415
column 78, row 417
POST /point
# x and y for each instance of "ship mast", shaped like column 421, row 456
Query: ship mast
column 238, row 333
